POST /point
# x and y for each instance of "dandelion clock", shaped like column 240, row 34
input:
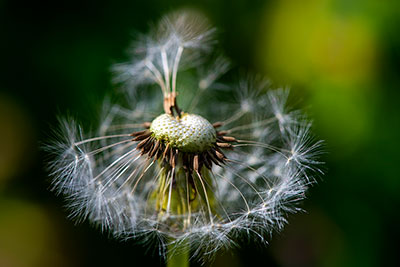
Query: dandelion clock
column 186, row 161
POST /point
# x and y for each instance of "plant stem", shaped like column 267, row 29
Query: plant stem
column 178, row 257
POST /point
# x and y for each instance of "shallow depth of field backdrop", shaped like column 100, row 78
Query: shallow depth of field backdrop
column 338, row 56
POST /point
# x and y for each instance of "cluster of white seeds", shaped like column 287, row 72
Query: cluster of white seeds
column 129, row 181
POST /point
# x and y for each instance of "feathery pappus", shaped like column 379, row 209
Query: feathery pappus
column 198, row 162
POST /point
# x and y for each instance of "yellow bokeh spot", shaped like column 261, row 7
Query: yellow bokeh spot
column 331, row 54
column 28, row 236
column 307, row 40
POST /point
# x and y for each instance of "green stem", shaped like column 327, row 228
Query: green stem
column 178, row 257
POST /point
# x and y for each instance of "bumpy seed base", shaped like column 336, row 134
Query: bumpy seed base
column 189, row 133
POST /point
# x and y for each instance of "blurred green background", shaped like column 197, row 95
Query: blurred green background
column 340, row 57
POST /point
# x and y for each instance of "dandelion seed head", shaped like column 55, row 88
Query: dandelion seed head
column 155, row 172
